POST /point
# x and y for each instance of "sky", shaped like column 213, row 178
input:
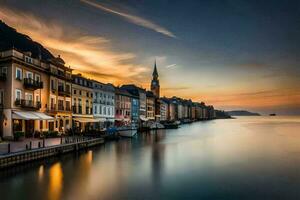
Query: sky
column 233, row 54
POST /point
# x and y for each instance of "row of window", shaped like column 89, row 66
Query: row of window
column 102, row 110
column 28, row 74
column 104, row 95
column 88, row 94
column 28, row 96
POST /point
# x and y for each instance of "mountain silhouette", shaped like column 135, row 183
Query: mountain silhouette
column 9, row 37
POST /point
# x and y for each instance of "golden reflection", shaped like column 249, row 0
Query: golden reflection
column 41, row 173
column 55, row 182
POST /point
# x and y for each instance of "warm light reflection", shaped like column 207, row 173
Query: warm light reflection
column 55, row 182
column 41, row 173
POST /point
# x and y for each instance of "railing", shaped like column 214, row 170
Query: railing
column 28, row 104
column 3, row 76
column 30, row 83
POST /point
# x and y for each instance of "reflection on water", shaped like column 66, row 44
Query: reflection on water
column 245, row 158
column 55, row 181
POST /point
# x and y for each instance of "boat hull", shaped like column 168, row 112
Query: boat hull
column 128, row 133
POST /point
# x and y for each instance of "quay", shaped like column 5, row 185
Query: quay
column 12, row 159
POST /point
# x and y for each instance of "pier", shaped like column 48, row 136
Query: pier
column 12, row 159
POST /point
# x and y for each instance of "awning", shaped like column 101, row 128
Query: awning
column 86, row 120
column 29, row 115
column 43, row 116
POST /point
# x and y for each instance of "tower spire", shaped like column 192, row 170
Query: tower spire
column 155, row 73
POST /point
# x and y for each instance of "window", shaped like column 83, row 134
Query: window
column 18, row 74
column 53, row 87
column 79, row 92
column 68, row 88
column 4, row 70
column 37, row 98
column 28, row 96
column 74, row 91
column 29, row 75
column 28, row 59
column 18, row 94
column 38, row 77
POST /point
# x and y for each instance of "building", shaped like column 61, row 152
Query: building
column 82, row 103
column 141, row 93
column 164, row 109
column 122, row 107
column 103, row 104
column 155, row 87
column 59, row 95
column 150, row 105
column 24, row 88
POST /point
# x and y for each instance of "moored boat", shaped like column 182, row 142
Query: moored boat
column 127, row 131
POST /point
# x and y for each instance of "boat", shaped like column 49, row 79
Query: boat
column 171, row 126
column 129, row 131
column 157, row 125
column 273, row 114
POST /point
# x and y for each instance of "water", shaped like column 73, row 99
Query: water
column 245, row 158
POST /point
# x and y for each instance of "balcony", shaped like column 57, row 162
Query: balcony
column 3, row 76
column 30, row 83
column 28, row 104
column 63, row 92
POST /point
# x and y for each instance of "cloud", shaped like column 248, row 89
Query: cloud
column 88, row 54
column 132, row 18
column 170, row 66
column 176, row 88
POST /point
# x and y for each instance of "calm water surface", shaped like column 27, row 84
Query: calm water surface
column 245, row 158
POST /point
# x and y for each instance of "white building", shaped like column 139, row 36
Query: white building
column 103, row 104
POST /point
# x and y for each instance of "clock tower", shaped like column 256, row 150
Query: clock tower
column 155, row 82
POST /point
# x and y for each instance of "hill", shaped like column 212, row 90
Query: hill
column 9, row 38
column 241, row 113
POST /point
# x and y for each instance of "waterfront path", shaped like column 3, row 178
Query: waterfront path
column 17, row 146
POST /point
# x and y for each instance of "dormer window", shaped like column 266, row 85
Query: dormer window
column 28, row 60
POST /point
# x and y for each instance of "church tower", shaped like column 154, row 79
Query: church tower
column 155, row 82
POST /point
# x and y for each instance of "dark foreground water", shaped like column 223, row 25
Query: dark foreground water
column 245, row 158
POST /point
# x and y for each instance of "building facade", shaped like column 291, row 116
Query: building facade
column 122, row 107
column 104, row 104
column 59, row 95
column 82, row 103
column 150, row 105
column 23, row 93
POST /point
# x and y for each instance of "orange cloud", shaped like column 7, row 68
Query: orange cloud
column 88, row 54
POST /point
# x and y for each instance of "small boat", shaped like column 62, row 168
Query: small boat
column 156, row 125
column 273, row 114
column 127, row 131
column 171, row 126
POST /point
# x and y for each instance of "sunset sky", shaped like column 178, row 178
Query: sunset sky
column 232, row 54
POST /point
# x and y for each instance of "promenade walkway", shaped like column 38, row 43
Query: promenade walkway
column 17, row 146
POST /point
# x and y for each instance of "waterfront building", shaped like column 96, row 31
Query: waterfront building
column 59, row 97
column 24, row 88
column 103, row 104
column 82, row 103
column 164, row 109
column 198, row 111
column 122, row 107
column 185, row 109
column 173, row 116
column 150, row 105
column 141, row 93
